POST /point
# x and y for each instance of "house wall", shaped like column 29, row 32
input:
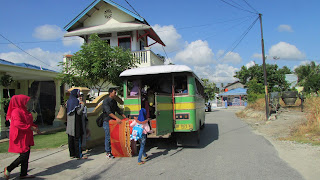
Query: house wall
column 118, row 16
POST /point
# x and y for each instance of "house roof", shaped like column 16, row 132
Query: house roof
column 22, row 71
column 75, row 27
column 108, row 28
column 230, row 84
column 235, row 92
column 90, row 10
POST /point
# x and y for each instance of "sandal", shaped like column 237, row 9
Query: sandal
column 83, row 157
column 6, row 173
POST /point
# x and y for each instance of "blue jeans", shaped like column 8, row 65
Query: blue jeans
column 106, row 128
column 142, row 144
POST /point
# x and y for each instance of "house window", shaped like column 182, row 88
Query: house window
column 125, row 43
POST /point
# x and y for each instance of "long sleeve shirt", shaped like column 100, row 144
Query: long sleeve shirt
column 109, row 106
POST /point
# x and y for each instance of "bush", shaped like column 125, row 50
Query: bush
column 252, row 97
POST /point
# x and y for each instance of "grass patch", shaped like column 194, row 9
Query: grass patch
column 44, row 141
column 309, row 132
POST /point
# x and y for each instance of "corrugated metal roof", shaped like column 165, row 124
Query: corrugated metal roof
column 237, row 91
column 24, row 65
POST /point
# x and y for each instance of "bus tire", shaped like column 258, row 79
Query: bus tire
column 203, row 125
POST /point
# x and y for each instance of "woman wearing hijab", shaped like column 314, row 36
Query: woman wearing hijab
column 74, row 124
column 20, row 135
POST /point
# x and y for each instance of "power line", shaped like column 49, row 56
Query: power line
column 237, row 7
column 213, row 35
column 241, row 38
column 251, row 6
column 25, row 51
column 132, row 8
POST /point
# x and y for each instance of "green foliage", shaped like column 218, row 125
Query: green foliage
column 6, row 80
column 209, row 89
column 252, row 97
column 309, row 77
column 96, row 65
column 275, row 77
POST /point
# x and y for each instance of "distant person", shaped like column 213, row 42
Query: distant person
column 110, row 106
column 141, row 123
column 20, row 135
column 184, row 89
column 75, row 129
column 135, row 90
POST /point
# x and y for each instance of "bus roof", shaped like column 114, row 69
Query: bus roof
column 161, row 69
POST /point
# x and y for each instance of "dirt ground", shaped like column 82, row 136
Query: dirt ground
column 305, row 158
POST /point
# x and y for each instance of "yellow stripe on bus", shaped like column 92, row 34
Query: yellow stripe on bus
column 162, row 106
column 178, row 106
column 135, row 107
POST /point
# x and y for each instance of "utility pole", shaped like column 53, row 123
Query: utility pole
column 264, row 70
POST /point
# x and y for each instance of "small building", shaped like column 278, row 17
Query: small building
column 235, row 97
column 39, row 83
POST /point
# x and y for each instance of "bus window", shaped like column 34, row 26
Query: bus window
column 181, row 85
column 165, row 85
column 133, row 88
column 200, row 89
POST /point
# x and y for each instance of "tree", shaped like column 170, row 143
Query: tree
column 309, row 76
column 275, row 76
column 209, row 89
column 97, row 64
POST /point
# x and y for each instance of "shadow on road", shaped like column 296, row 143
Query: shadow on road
column 163, row 145
column 209, row 134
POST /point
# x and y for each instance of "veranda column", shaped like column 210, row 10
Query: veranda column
column 57, row 83
column 3, row 127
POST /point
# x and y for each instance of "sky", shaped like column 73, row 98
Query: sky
column 213, row 37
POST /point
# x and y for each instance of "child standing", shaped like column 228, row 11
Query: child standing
column 141, row 124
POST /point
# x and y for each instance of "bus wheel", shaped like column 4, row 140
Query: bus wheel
column 203, row 125
column 198, row 136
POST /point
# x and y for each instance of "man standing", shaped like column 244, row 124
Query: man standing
column 109, row 108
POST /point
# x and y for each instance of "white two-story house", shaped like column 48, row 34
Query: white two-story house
column 119, row 27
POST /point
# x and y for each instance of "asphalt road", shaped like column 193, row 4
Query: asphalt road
column 228, row 150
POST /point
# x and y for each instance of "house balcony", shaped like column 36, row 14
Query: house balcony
column 147, row 58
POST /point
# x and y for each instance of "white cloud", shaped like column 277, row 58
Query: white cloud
column 169, row 36
column 230, row 57
column 221, row 73
column 284, row 28
column 250, row 64
column 48, row 32
column 257, row 55
column 302, row 63
column 47, row 59
column 285, row 50
column 72, row 41
column 195, row 53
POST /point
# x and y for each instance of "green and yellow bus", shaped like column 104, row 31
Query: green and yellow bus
column 173, row 97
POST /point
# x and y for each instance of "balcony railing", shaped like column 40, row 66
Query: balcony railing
column 147, row 58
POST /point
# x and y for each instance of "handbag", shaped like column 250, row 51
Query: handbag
column 62, row 114
column 99, row 120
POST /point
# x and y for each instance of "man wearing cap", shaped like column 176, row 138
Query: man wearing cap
column 110, row 106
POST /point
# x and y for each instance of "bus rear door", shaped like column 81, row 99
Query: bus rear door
column 164, row 114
